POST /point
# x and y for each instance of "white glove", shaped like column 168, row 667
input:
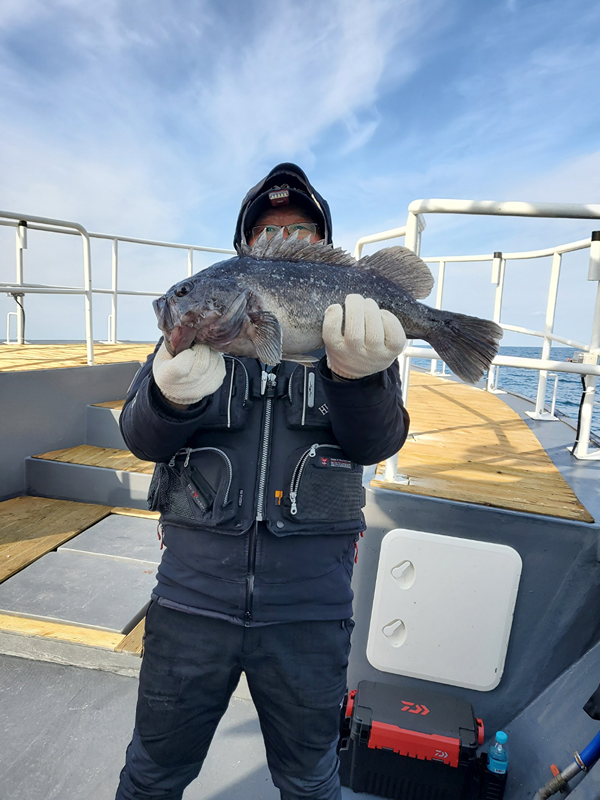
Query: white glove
column 371, row 339
column 190, row 375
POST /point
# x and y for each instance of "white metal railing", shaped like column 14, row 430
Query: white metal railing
column 394, row 233
column 412, row 232
column 25, row 222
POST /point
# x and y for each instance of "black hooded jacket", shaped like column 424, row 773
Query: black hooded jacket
column 239, row 544
column 292, row 177
column 260, row 484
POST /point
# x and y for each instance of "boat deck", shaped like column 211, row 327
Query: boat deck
column 465, row 445
column 469, row 446
column 18, row 358
column 32, row 527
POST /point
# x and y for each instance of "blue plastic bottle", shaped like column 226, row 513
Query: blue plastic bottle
column 498, row 754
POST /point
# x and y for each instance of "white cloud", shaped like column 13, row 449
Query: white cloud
column 152, row 124
column 179, row 102
column 155, row 124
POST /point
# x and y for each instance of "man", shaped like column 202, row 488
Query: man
column 259, row 485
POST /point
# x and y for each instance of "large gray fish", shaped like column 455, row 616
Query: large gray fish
column 269, row 303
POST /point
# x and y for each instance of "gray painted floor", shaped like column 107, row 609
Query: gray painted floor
column 551, row 729
column 102, row 578
column 81, row 588
column 119, row 536
column 65, row 731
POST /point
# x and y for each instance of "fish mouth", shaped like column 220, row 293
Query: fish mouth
column 180, row 338
column 215, row 328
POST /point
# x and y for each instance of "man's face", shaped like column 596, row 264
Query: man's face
column 283, row 215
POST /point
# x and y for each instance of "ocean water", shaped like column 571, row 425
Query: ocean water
column 525, row 382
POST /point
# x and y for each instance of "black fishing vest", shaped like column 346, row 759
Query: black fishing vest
column 261, row 509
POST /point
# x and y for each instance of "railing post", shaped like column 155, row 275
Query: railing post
column 87, row 286
column 415, row 224
column 190, row 262
column 540, row 401
column 112, row 334
column 8, row 316
column 581, row 450
column 21, row 244
column 554, row 392
column 498, row 270
column 404, row 367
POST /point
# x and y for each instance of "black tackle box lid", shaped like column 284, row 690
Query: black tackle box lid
column 414, row 722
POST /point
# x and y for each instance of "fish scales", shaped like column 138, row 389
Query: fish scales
column 269, row 303
column 301, row 292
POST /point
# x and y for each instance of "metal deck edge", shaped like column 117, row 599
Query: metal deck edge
column 39, row 648
column 65, row 481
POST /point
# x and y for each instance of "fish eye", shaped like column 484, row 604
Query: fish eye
column 182, row 290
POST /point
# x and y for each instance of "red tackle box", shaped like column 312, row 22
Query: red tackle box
column 407, row 743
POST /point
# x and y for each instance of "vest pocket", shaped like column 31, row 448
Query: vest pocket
column 196, row 488
column 306, row 406
column 324, row 487
column 229, row 406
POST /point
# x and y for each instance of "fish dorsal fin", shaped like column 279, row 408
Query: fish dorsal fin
column 400, row 265
column 294, row 249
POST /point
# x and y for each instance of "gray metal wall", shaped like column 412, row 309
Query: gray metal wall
column 557, row 615
column 42, row 410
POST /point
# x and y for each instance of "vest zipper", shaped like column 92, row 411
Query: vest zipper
column 188, row 452
column 268, row 383
column 299, row 469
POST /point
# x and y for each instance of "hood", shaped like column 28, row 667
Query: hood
column 302, row 193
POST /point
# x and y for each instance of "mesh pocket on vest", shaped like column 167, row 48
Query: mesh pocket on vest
column 337, row 495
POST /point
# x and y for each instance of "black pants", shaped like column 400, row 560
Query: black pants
column 296, row 673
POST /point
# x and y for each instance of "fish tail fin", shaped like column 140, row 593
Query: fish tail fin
column 467, row 344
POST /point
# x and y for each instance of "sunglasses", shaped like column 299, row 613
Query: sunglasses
column 302, row 229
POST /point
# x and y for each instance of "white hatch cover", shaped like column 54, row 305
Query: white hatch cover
column 443, row 608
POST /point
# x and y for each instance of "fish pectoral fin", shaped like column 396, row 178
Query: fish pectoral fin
column 301, row 358
column 266, row 336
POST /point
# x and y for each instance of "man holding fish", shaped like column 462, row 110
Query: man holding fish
column 258, row 440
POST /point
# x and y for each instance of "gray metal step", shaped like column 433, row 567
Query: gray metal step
column 102, row 427
column 95, row 591
column 65, row 481
column 103, row 579
column 119, row 536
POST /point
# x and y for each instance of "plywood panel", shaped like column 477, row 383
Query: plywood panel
column 106, row 457
column 30, row 527
column 116, row 404
column 55, row 630
column 468, row 445
column 16, row 358
column 134, row 641
column 136, row 512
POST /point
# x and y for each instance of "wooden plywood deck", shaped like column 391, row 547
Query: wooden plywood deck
column 134, row 641
column 116, row 405
column 61, row 631
column 17, row 358
column 107, row 457
column 468, row 445
column 30, row 527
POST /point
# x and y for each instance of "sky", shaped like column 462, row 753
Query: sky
column 152, row 119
